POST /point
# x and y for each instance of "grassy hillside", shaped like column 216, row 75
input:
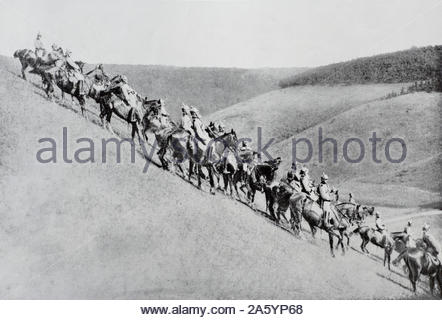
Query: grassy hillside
column 108, row 231
column 403, row 66
column 284, row 113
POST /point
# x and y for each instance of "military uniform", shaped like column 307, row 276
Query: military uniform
column 186, row 120
column 325, row 201
column 39, row 47
column 433, row 246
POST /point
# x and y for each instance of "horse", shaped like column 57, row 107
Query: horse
column 307, row 207
column 385, row 241
column 418, row 262
column 224, row 148
column 28, row 59
column 77, row 89
column 113, row 102
column 260, row 179
column 356, row 213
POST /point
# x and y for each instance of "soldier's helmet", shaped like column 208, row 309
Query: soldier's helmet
column 185, row 108
column 245, row 143
column 324, row 177
column 194, row 112
column 409, row 223
column 426, row 227
column 55, row 47
column 290, row 175
column 350, row 195
column 39, row 35
column 68, row 53
column 377, row 214
column 221, row 127
column 123, row 78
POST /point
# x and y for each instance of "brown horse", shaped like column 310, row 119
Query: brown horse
column 369, row 234
column 310, row 210
column 356, row 213
column 260, row 179
column 418, row 262
column 224, row 158
column 112, row 102
column 28, row 60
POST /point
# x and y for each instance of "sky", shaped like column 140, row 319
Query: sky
column 221, row 33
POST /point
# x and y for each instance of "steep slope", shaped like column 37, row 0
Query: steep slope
column 99, row 230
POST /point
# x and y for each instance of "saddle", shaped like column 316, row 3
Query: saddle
column 430, row 259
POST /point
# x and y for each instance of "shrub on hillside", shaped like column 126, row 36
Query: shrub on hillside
column 416, row 64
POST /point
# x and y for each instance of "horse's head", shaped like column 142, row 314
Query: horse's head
column 16, row 53
column 230, row 139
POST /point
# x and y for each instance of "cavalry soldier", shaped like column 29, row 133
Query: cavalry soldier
column 199, row 128
column 325, row 199
column 186, row 119
column 221, row 128
column 433, row 247
column 74, row 73
column 380, row 225
column 351, row 199
column 306, row 184
column 128, row 95
column 247, row 156
column 39, row 46
column 286, row 188
column 56, row 58
column 408, row 235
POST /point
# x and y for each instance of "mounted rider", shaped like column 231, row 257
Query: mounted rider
column 325, row 200
column 54, row 58
column 121, row 89
column 40, row 49
column 380, row 226
column 186, row 119
column 74, row 73
column 433, row 247
column 246, row 156
column 201, row 136
column 351, row 199
column 306, row 184
column 288, row 188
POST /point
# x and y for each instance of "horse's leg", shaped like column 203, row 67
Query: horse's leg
column 161, row 154
column 199, row 172
column 23, row 69
column 439, row 279
column 431, row 282
column 330, row 239
column 211, row 180
column 313, row 229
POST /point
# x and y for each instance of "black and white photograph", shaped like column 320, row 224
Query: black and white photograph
column 221, row 150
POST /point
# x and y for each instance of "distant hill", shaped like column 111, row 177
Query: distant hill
column 403, row 66
column 209, row 89
column 286, row 112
